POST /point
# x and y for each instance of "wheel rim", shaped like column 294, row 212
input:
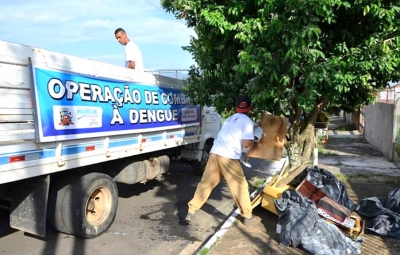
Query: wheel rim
column 98, row 206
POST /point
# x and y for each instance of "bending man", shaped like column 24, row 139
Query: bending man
column 223, row 161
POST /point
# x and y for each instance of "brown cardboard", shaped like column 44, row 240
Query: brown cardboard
column 271, row 144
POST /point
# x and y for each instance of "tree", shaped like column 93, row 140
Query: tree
column 292, row 57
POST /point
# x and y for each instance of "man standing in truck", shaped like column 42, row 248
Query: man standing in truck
column 133, row 56
column 237, row 132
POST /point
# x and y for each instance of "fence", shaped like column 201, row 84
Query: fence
column 173, row 73
column 378, row 127
column 396, row 133
column 380, row 124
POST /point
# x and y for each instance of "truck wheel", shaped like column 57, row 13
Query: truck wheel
column 87, row 207
column 199, row 166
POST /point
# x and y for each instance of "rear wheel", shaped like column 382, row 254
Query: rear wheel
column 85, row 208
column 199, row 166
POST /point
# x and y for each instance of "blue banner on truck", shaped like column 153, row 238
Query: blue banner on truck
column 71, row 105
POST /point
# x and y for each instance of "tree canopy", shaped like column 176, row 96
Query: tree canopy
column 291, row 56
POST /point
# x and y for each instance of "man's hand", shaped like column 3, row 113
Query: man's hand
column 247, row 143
column 258, row 133
column 131, row 64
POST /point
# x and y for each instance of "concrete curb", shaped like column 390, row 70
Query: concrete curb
column 232, row 218
column 354, row 134
column 224, row 228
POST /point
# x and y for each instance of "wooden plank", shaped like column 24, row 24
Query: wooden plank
column 14, row 91
column 16, row 98
column 291, row 174
column 16, row 111
column 14, row 76
column 17, row 135
column 20, row 105
column 16, row 118
column 16, row 126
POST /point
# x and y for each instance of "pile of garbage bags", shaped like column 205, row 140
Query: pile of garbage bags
column 300, row 225
column 385, row 213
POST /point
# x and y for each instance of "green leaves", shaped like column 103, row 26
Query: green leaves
column 366, row 10
column 291, row 55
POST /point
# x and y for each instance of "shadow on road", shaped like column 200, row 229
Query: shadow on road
column 5, row 229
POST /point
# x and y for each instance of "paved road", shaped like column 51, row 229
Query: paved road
column 147, row 220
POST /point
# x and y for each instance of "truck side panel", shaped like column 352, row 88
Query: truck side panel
column 24, row 155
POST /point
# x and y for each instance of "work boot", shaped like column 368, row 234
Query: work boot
column 189, row 218
column 245, row 221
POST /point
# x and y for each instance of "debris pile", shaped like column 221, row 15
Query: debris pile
column 385, row 213
column 318, row 215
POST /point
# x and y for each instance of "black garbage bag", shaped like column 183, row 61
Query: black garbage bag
column 371, row 207
column 300, row 225
column 326, row 239
column 294, row 218
column 387, row 224
column 290, row 198
column 393, row 201
column 327, row 182
column 386, row 220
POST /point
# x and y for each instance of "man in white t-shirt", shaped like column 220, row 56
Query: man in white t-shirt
column 133, row 56
column 237, row 132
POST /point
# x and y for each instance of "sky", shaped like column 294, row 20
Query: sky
column 86, row 29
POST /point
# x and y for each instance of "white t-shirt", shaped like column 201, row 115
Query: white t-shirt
column 132, row 53
column 236, row 128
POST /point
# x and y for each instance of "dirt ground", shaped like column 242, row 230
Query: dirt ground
column 365, row 172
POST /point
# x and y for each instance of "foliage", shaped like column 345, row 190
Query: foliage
column 293, row 57
column 204, row 251
column 259, row 183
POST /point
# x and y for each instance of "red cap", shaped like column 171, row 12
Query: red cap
column 243, row 104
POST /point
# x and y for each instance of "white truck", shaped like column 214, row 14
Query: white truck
column 70, row 128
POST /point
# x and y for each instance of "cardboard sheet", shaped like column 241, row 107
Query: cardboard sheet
column 271, row 144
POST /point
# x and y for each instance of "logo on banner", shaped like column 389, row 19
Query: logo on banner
column 65, row 117
column 82, row 116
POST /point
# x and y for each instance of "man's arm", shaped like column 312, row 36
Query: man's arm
column 247, row 143
column 247, row 134
column 131, row 64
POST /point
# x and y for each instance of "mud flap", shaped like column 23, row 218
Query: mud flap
column 29, row 206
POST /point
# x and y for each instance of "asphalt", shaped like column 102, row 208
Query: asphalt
column 364, row 170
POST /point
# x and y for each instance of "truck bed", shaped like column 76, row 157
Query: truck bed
column 23, row 156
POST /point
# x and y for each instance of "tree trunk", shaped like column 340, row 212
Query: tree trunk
column 300, row 146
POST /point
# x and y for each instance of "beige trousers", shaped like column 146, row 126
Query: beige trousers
column 216, row 168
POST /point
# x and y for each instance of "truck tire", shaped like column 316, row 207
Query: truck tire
column 199, row 166
column 86, row 207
